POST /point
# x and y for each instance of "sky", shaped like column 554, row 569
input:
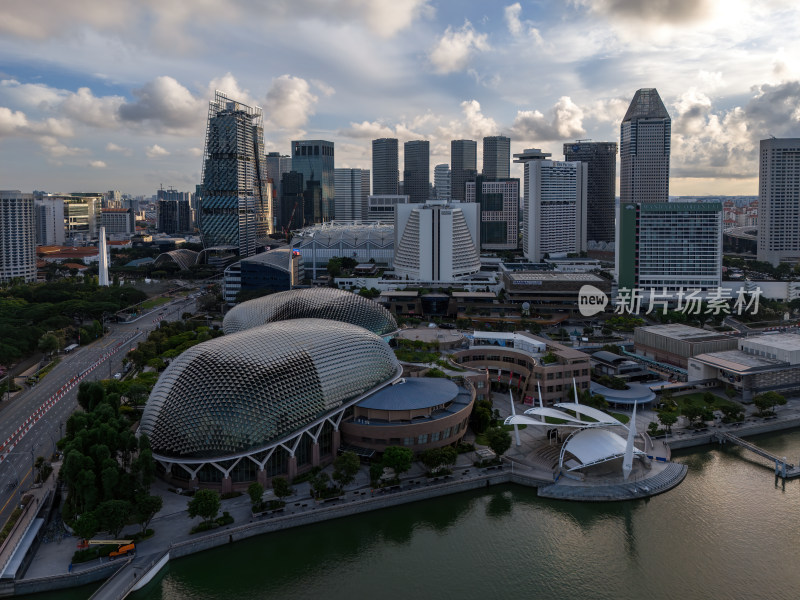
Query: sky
column 113, row 94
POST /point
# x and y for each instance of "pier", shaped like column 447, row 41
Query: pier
column 782, row 468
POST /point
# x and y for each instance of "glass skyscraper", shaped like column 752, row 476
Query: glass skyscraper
column 417, row 170
column 314, row 159
column 601, row 186
column 463, row 167
column 384, row 167
column 235, row 209
column 496, row 157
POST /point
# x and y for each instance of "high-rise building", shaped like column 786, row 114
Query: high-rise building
column 778, row 201
column 463, row 167
column 667, row 247
column 292, row 204
column 441, row 182
column 277, row 165
column 174, row 212
column 437, row 241
column 17, row 236
column 497, row 157
column 499, row 207
column 352, row 191
column 644, row 149
column 601, row 187
column 119, row 221
column 314, row 159
column 527, row 155
column 381, row 209
column 385, row 166
column 81, row 216
column 235, row 209
column 112, row 199
column 417, row 170
column 555, row 214
column 49, row 220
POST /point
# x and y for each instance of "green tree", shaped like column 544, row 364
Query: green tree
column 345, row 468
column 281, row 487
column 113, row 515
column 146, row 508
column 768, row 401
column 693, row 413
column 49, row 343
column 398, row 458
column 499, row 440
column 205, row 504
column 652, row 428
column 320, row 484
column 375, row 472
column 255, row 490
column 86, row 526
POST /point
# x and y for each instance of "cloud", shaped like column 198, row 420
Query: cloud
column 84, row 107
column 155, row 151
column 196, row 152
column 477, row 124
column 12, row 122
column 230, row 87
column 563, row 121
column 673, row 12
column 112, row 147
column 289, row 103
column 367, row 130
column 97, row 164
column 517, row 27
column 165, row 103
column 56, row 149
column 454, row 49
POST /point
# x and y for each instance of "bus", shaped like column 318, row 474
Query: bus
column 70, row 348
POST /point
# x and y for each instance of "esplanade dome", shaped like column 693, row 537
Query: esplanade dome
column 241, row 392
column 312, row 303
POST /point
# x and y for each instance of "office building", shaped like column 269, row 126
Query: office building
column 436, row 241
column 17, row 236
column 779, row 201
column 274, row 271
column 118, row 221
column 381, row 209
column 555, row 209
column 644, row 148
column 385, row 167
column 441, row 182
column 352, row 191
column 417, row 170
column 499, row 205
column 314, row 159
column 496, row 157
column 292, row 202
column 235, row 209
column 601, row 186
column 669, row 247
column 463, row 167
column 49, row 220
column 277, row 165
column 174, row 211
column 80, row 218
column 523, row 157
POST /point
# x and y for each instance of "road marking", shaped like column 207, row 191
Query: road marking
column 15, row 491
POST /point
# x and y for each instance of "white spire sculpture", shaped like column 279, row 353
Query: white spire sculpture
column 103, row 265
column 627, row 461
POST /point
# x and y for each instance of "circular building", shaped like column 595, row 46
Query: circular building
column 263, row 402
column 313, row 303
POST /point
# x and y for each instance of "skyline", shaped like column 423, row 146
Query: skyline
column 97, row 96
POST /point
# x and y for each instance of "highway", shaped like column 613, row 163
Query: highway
column 33, row 421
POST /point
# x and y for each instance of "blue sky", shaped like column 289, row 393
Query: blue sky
column 113, row 94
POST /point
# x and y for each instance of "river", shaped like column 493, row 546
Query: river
column 727, row 531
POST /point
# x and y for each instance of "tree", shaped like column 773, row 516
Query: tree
column 693, row 413
column 398, row 458
column 436, row 458
column 49, row 343
column 320, row 483
column 768, row 401
column 652, row 428
column 345, row 468
column 146, row 508
column 281, row 487
column 255, row 490
column 86, row 526
column 667, row 419
column 113, row 515
column 499, row 440
column 375, row 471
column 205, row 504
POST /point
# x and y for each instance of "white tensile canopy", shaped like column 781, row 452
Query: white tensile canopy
column 594, row 446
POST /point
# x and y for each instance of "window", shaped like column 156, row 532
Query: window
column 549, row 389
column 435, row 436
column 408, row 441
column 422, row 439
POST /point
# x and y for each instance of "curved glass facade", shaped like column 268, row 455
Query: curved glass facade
column 241, row 392
column 314, row 303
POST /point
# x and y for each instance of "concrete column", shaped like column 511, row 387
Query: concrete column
column 194, row 483
column 261, row 477
column 227, row 485
column 337, row 441
column 292, row 468
column 315, row 454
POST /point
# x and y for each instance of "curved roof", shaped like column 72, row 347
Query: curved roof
column 315, row 303
column 593, row 446
column 412, row 393
column 182, row 257
column 598, row 415
column 241, row 392
column 637, row 393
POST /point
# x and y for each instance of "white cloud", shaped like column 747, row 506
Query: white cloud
column 563, row 121
column 155, row 151
column 12, row 122
column 112, row 147
column 454, row 49
column 84, row 107
column 231, row 88
column 97, row 164
column 513, row 23
column 56, row 149
column 196, row 152
column 165, row 103
column 289, row 103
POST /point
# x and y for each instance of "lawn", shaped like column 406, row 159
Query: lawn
column 696, row 399
column 154, row 302
column 415, row 356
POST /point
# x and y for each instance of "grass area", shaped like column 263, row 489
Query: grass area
column 12, row 520
column 622, row 417
column 697, row 399
column 48, row 368
column 154, row 302
column 481, row 437
column 415, row 356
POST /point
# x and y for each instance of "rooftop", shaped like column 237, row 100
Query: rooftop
column 782, row 341
column 684, row 332
column 738, row 361
column 524, row 276
column 412, row 393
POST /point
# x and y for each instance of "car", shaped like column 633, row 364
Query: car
column 447, row 326
column 117, row 375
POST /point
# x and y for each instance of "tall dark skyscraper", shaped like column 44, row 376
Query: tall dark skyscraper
column 417, row 170
column 314, row 159
column 235, row 209
column 644, row 147
column 601, row 158
column 496, row 157
column 463, row 167
column 384, row 167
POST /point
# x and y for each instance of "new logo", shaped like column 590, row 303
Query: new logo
column 591, row 300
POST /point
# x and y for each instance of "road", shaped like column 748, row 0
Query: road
column 16, row 468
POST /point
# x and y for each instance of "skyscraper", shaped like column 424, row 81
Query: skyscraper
column 17, row 236
column 235, row 209
column 778, row 201
column 555, row 214
column 497, row 157
column 417, row 170
column 352, row 191
column 601, row 188
column 463, row 166
column 314, row 159
column 441, row 182
column 523, row 157
column 277, row 165
column 645, row 135
column 174, row 211
column 49, row 220
column 499, row 212
column 385, row 173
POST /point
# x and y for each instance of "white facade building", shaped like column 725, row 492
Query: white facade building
column 555, row 215
column 778, row 201
column 49, row 221
column 351, row 192
column 17, row 236
column 380, row 209
column 437, row 241
column 441, row 181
